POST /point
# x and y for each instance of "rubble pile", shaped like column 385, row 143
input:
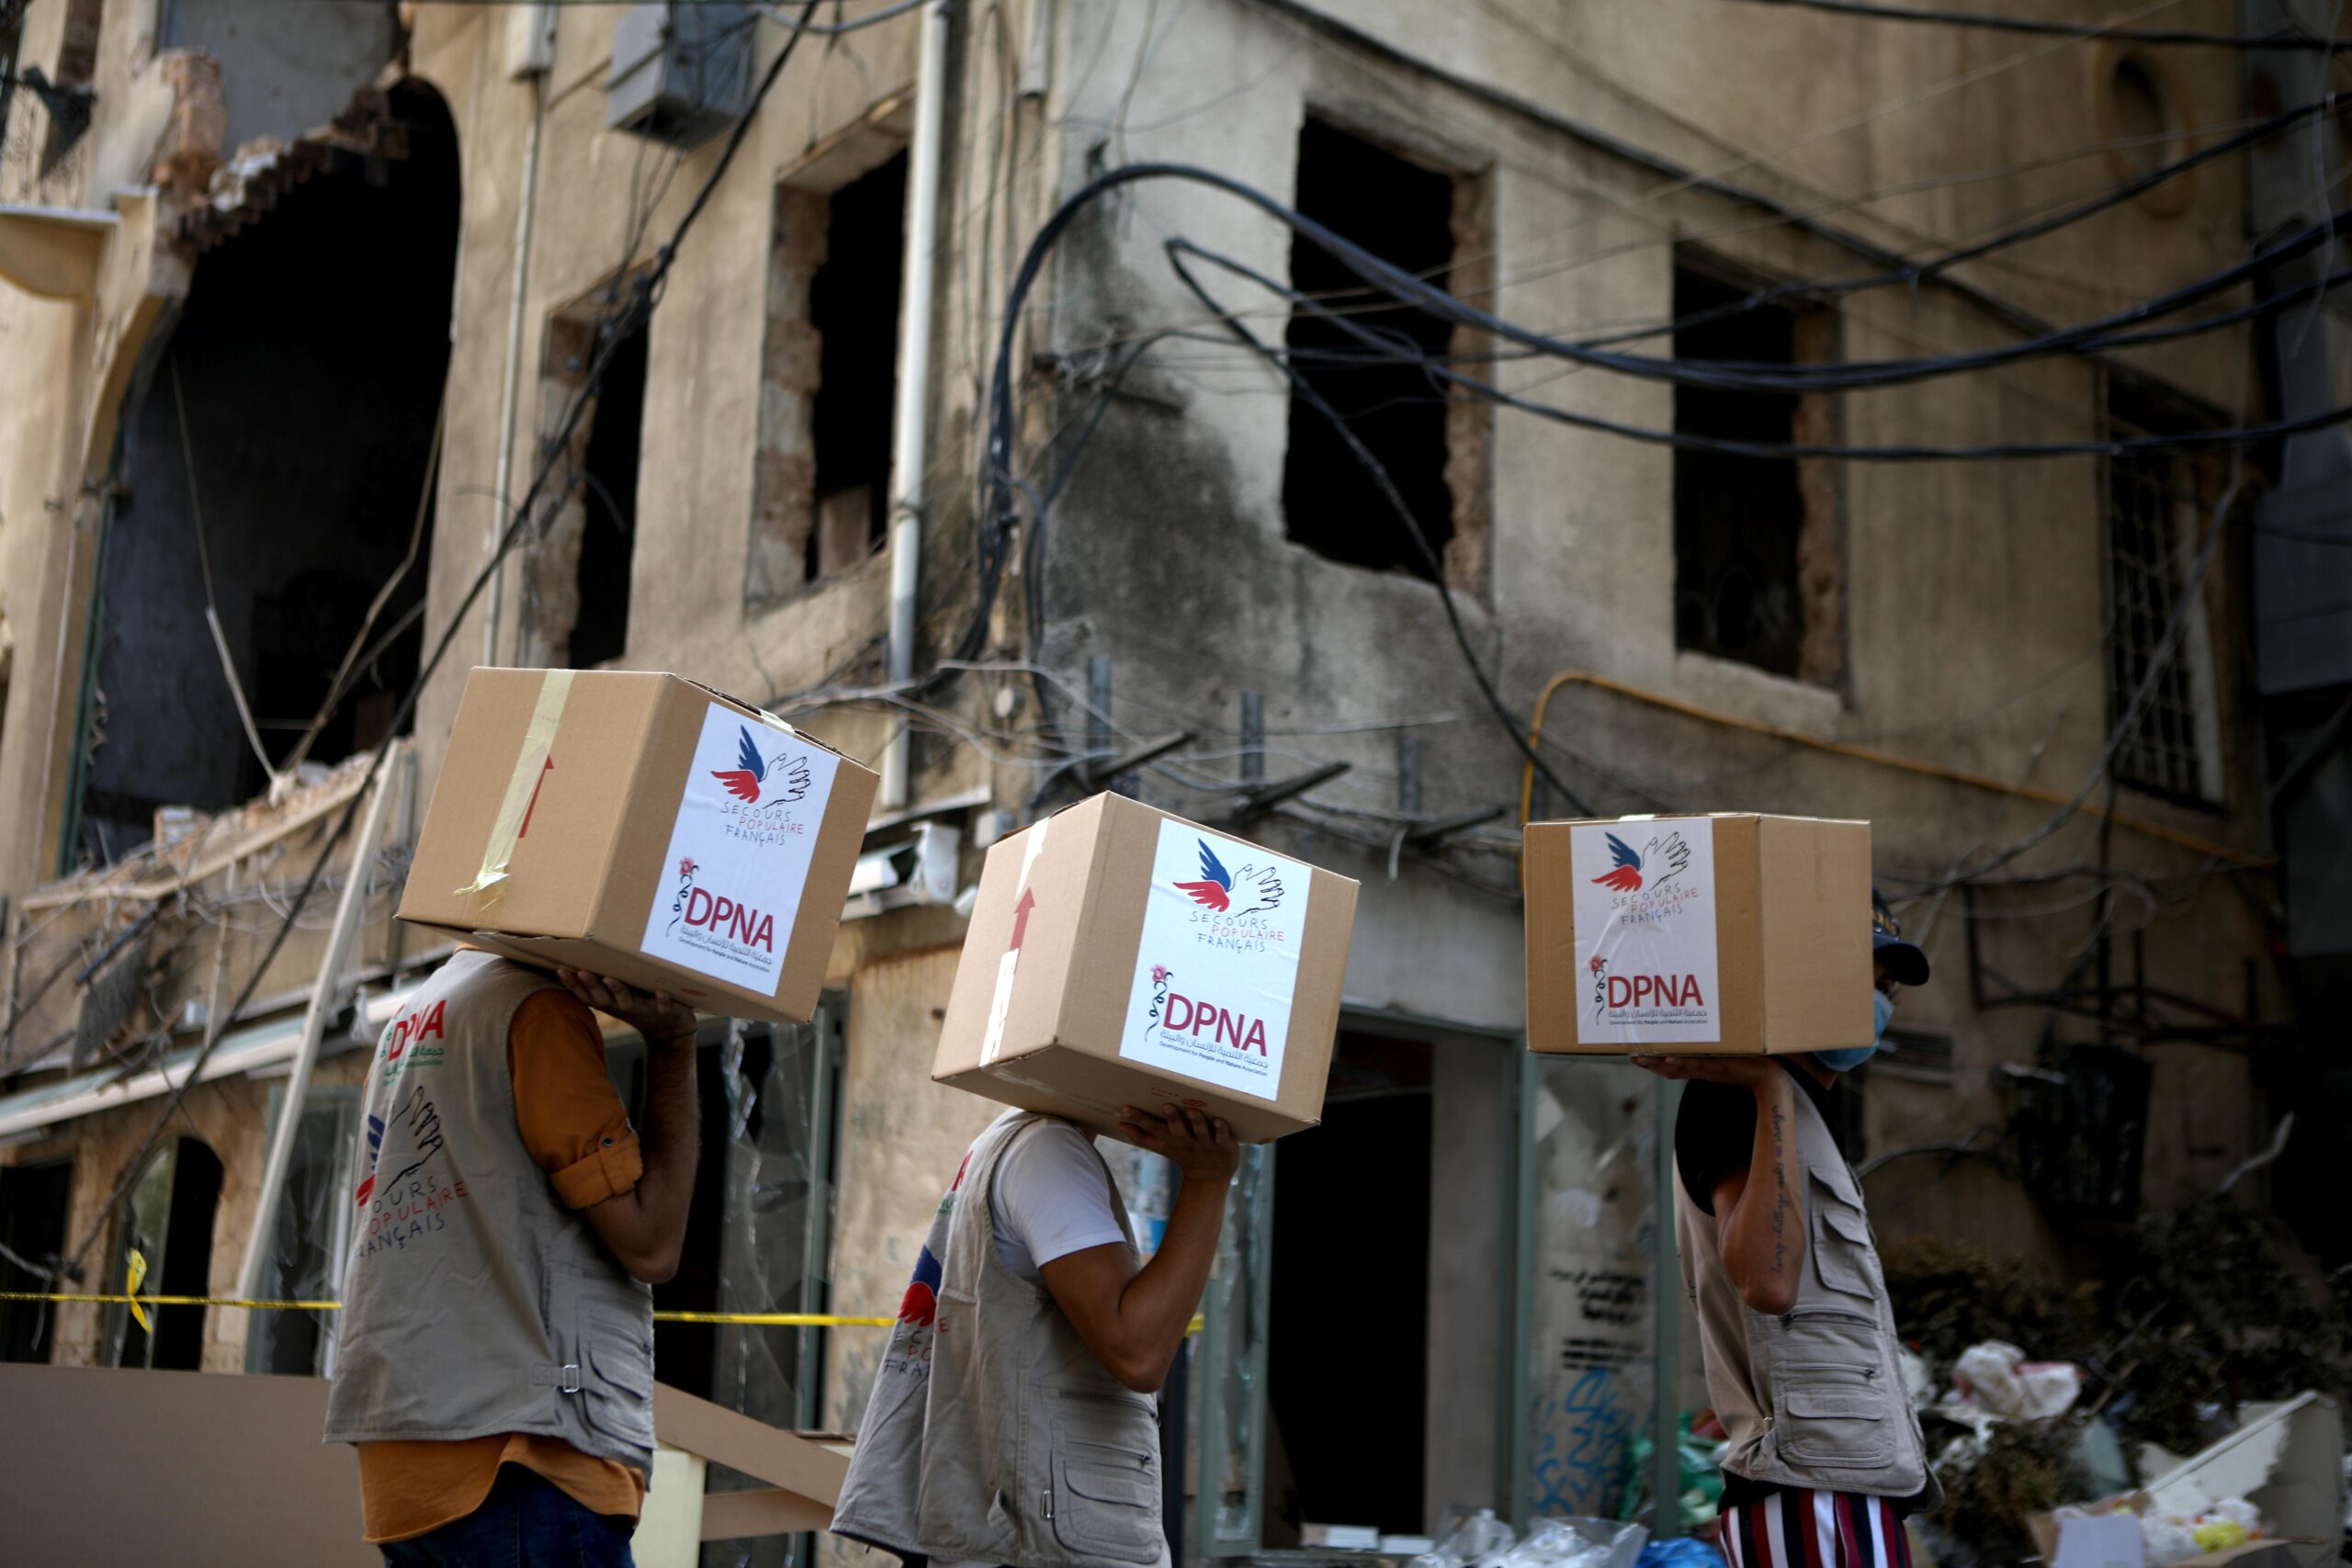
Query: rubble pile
column 2180, row 1408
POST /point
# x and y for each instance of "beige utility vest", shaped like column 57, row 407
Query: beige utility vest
column 992, row 1433
column 1813, row 1397
column 476, row 1303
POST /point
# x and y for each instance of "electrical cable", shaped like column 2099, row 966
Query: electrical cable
column 1990, row 22
column 2111, row 446
column 644, row 295
column 776, row 14
column 1753, row 376
column 1306, row 389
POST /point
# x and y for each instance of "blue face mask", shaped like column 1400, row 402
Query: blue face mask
column 1881, row 1011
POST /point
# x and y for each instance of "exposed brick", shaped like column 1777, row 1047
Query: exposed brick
column 1470, row 422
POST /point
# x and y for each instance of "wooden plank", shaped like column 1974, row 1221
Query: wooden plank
column 734, row 1516
column 756, row 1449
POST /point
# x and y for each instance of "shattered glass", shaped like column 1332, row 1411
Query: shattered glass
column 1229, row 1372
column 779, row 1082
column 145, row 1223
column 309, row 1239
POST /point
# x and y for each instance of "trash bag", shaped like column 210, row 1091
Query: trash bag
column 1998, row 1378
column 1471, row 1538
column 1698, row 1469
column 1685, row 1552
column 1578, row 1543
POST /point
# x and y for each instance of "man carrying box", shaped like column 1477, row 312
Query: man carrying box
column 1010, row 1421
column 1794, row 1326
column 495, row 1363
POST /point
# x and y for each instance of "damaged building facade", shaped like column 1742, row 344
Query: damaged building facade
column 292, row 315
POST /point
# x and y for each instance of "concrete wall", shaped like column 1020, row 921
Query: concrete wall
column 1973, row 594
column 282, row 79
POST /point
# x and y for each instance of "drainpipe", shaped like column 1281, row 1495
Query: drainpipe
column 909, row 435
column 511, row 392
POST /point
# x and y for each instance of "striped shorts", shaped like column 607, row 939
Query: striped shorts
column 1794, row 1529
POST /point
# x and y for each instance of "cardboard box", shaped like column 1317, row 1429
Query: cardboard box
column 1698, row 935
column 646, row 828
column 1118, row 955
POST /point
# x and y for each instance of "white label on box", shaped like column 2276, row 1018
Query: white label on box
column 1644, row 899
column 1218, row 963
column 739, row 851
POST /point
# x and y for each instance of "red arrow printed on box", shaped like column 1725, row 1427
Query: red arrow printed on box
column 1021, row 919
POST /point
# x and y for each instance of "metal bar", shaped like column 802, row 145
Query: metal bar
column 1434, row 833
column 1107, row 774
column 1516, row 1448
column 1666, row 1343
column 1262, row 1248
column 347, row 914
column 910, row 423
column 1098, row 704
column 1266, row 796
column 1254, row 738
column 1209, row 1471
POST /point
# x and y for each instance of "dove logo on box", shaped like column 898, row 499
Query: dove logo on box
column 740, row 849
column 1219, row 961
column 1644, row 904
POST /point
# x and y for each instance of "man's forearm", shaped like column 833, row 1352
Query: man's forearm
column 1157, row 1307
column 670, row 1144
column 1764, row 1240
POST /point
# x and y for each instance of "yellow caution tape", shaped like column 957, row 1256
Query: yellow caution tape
column 746, row 1319
column 137, row 1272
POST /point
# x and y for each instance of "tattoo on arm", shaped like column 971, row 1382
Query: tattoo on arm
column 1779, row 1192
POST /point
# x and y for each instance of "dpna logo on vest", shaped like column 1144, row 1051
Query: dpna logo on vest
column 405, row 1040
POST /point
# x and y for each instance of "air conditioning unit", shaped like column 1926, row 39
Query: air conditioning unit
column 681, row 68
column 917, row 868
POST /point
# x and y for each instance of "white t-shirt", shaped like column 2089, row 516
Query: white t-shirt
column 1051, row 1197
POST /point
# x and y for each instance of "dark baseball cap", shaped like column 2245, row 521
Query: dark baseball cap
column 1906, row 964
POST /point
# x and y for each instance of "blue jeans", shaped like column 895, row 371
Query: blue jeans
column 527, row 1522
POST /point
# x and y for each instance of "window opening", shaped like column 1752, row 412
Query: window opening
column 608, row 473
column 854, row 305
column 829, row 386
column 169, row 1225
column 309, row 359
column 2155, row 514
column 1757, row 549
column 1405, row 214
column 32, row 1227
column 77, row 67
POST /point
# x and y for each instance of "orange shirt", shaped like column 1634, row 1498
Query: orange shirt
column 573, row 1123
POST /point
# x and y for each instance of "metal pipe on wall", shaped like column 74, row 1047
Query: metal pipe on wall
column 511, row 390
column 910, row 434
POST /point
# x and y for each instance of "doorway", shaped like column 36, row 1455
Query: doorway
column 1349, row 1320
column 32, row 1235
column 168, row 1228
column 1389, row 1231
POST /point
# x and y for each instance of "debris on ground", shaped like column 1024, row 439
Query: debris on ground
column 2195, row 1353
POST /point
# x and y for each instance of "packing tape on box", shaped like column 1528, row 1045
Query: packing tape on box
column 1000, row 1001
column 536, row 759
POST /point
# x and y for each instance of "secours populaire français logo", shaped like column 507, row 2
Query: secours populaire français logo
column 1218, row 962
column 740, row 849
column 1644, row 897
